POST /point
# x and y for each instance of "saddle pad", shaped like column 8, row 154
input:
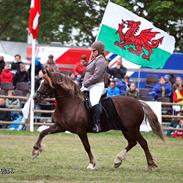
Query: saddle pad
column 110, row 115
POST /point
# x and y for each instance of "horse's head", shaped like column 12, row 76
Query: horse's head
column 46, row 88
column 56, row 85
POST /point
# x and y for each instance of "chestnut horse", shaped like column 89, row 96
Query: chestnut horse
column 70, row 114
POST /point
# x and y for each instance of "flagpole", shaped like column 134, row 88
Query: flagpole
column 98, row 34
column 32, row 85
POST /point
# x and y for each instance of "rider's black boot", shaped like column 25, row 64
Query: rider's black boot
column 96, row 118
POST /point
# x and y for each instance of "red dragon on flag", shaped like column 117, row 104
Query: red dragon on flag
column 137, row 43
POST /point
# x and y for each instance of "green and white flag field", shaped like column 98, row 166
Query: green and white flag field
column 134, row 38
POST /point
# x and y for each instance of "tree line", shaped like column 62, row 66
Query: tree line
column 76, row 22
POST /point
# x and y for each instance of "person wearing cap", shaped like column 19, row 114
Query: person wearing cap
column 94, row 81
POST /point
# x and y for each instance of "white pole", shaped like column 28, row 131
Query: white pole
column 32, row 85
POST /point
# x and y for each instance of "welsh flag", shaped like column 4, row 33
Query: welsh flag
column 134, row 38
column 35, row 11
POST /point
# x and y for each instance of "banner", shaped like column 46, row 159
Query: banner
column 134, row 38
column 157, row 108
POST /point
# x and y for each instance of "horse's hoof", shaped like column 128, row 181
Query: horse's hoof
column 91, row 167
column 117, row 165
column 117, row 162
column 35, row 154
column 152, row 167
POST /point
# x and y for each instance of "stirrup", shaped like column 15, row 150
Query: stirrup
column 97, row 128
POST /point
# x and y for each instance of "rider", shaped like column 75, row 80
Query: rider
column 94, row 81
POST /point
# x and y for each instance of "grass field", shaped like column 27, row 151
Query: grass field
column 64, row 159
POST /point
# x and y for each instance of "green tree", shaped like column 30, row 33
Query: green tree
column 76, row 22
column 13, row 20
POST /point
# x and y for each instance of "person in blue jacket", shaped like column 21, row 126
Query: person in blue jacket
column 162, row 89
column 113, row 90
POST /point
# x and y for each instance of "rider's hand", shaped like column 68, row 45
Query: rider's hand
column 83, row 89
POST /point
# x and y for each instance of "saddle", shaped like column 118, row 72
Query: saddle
column 109, row 116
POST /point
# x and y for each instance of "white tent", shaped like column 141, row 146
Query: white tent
column 7, row 57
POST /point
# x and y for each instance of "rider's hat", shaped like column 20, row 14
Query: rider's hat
column 98, row 45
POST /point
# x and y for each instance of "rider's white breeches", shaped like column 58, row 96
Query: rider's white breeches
column 95, row 93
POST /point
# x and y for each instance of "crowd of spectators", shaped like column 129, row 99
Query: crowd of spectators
column 167, row 87
column 15, row 80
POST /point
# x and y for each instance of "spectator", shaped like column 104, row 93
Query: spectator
column 113, row 90
column 21, row 75
column 122, row 86
column 2, row 63
column 4, row 115
column 6, row 74
column 172, row 78
column 161, row 89
column 133, row 91
column 119, row 71
column 178, row 94
column 13, row 103
column 173, row 124
column 167, row 79
column 38, row 79
column 38, row 67
column 127, row 81
column 15, row 66
column 178, row 133
column 50, row 59
column 80, row 67
column 178, row 80
column 50, row 64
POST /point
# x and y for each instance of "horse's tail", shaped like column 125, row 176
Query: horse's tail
column 153, row 120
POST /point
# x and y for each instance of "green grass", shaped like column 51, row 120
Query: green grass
column 64, row 159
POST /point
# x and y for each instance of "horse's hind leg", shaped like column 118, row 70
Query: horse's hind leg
column 37, row 146
column 144, row 145
column 122, row 155
column 84, row 139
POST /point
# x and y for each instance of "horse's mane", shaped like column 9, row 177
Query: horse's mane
column 67, row 84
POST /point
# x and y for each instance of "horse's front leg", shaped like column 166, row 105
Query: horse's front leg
column 84, row 139
column 37, row 146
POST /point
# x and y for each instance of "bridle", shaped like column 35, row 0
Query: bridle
column 41, row 95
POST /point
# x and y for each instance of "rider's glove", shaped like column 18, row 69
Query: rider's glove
column 83, row 89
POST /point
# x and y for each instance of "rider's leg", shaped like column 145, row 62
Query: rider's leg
column 95, row 93
column 96, row 118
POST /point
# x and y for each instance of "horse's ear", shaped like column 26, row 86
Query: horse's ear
column 48, row 72
column 45, row 71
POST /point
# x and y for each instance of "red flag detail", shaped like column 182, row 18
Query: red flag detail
column 35, row 12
